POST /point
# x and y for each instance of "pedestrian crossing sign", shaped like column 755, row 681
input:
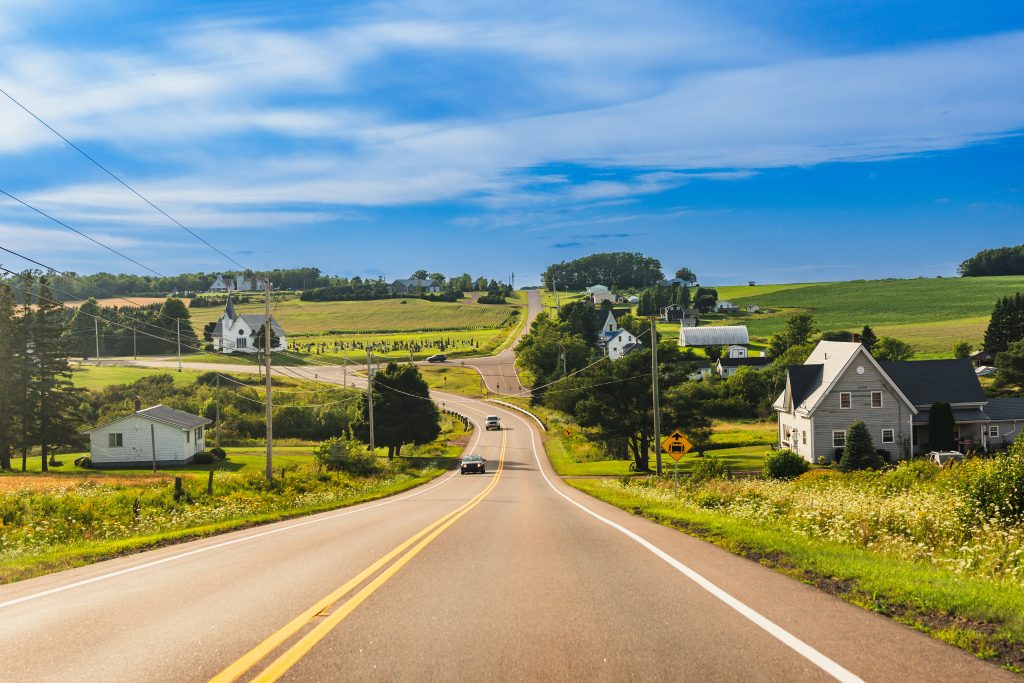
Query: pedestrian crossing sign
column 676, row 445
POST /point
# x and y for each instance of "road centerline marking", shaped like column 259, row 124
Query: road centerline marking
column 323, row 612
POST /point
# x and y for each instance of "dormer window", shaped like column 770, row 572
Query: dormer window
column 845, row 400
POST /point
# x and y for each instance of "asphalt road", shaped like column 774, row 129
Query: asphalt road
column 510, row 575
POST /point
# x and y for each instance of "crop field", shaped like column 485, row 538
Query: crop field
column 303, row 318
column 97, row 377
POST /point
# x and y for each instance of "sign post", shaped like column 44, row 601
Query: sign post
column 676, row 445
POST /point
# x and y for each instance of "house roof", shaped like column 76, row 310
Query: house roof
column 163, row 414
column 804, row 380
column 926, row 382
column 594, row 289
column 751, row 361
column 631, row 347
column 255, row 321
column 1010, row 408
column 714, row 335
column 414, row 282
column 960, row 415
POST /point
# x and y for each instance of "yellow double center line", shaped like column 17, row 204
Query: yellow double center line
column 322, row 608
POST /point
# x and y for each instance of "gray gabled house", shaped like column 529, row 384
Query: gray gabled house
column 841, row 383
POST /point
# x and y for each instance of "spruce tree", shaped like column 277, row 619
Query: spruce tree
column 1006, row 325
column 8, row 340
column 859, row 452
column 868, row 338
column 57, row 398
column 25, row 385
column 941, row 427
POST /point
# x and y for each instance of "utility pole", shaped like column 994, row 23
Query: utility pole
column 135, row 346
column 369, row 397
column 554, row 287
column 178, row 320
column 216, row 403
column 344, row 370
column 270, row 400
column 654, row 395
column 96, row 326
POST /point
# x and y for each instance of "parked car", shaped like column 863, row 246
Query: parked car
column 942, row 457
column 437, row 358
column 473, row 463
column 492, row 422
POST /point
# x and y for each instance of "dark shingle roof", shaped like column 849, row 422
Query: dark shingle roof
column 959, row 415
column 925, row 382
column 751, row 361
column 803, row 380
column 178, row 418
column 1011, row 408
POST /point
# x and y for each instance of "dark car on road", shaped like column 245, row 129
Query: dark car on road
column 437, row 358
column 473, row 463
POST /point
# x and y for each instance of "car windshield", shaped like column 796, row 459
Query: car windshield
column 472, row 458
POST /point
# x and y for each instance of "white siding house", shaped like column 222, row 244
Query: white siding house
column 235, row 332
column 129, row 441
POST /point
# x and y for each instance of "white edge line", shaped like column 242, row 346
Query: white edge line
column 807, row 651
column 224, row 544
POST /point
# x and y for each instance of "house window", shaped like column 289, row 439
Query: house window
column 993, row 431
column 115, row 440
column 888, row 435
column 199, row 433
column 876, row 399
column 838, row 439
column 844, row 399
column 804, row 437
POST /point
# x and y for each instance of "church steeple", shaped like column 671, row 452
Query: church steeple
column 229, row 309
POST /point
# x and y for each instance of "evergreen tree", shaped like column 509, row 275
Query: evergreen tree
column 25, row 386
column 868, row 339
column 82, row 333
column 797, row 332
column 859, row 452
column 8, row 341
column 1011, row 365
column 941, row 427
column 57, row 398
column 171, row 311
column 1006, row 324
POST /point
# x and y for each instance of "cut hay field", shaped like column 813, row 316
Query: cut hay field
column 126, row 302
column 930, row 313
column 306, row 318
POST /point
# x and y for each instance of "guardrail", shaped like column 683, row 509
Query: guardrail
column 536, row 419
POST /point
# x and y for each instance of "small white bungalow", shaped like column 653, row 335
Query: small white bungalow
column 169, row 436
column 726, row 307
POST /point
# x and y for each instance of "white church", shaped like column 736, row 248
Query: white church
column 235, row 332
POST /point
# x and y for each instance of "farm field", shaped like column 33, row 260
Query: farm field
column 97, row 377
column 458, row 380
column 303, row 318
column 126, row 302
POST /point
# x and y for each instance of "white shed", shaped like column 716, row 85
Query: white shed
column 169, row 436
column 710, row 335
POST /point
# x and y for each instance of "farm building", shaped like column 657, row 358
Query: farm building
column 982, row 358
column 674, row 313
column 169, row 436
column 841, row 383
column 234, row 332
column 726, row 307
column 598, row 294
column 722, row 335
column 753, row 308
column 727, row 367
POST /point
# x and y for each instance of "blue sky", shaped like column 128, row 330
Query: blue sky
column 783, row 141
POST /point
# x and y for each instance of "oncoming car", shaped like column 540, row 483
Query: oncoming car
column 473, row 463
column 437, row 358
column 492, row 422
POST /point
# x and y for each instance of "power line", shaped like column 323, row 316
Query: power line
column 115, row 177
column 79, row 232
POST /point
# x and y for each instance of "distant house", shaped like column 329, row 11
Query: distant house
column 234, row 332
column 701, row 373
column 598, row 294
column 982, row 358
column 727, row 367
column 753, row 308
column 219, row 285
column 632, row 299
column 751, row 283
column 615, row 341
column 737, row 351
column 240, row 283
column 413, row 285
column 171, row 437
column 841, row 383
column 674, row 313
column 726, row 307
column 677, row 281
column 721, row 335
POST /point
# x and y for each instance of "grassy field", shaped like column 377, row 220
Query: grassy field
column 931, row 313
column 458, row 380
column 97, row 377
column 301, row 318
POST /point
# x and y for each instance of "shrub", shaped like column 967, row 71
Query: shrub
column 885, row 455
column 84, row 461
column 784, row 464
column 837, row 456
column 859, row 453
column 218, row 453
column 997, row 490
column 710, row 467
column 202, row 458
column 347, row 454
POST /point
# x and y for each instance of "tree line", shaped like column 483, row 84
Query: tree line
column 125, row 331
column 1001, row 261
column 619, row 270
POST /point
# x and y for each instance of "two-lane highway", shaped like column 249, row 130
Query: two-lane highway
column 510, row 575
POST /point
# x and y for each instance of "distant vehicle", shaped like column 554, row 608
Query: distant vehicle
column 437, row 358
column 985, row 371
column 942, row 457
column 492, row 422
column 473, row 463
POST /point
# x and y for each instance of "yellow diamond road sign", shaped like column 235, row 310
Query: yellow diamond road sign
column 677, row 445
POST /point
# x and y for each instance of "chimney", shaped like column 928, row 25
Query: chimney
column 138, row 404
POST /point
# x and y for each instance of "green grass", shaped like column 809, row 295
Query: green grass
column 981, row 615
column 97, row 377
column 387, row 315
column 932, row 313
column 458, row 380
